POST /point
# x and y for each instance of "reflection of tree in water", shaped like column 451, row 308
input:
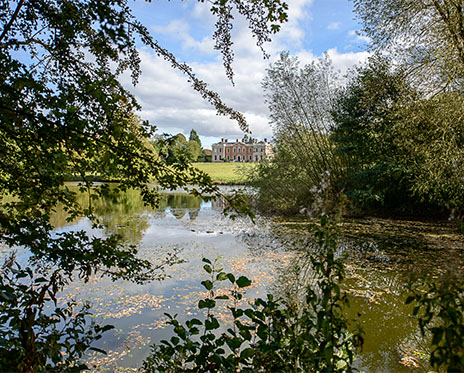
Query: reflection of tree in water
column 127, row 215
column 180, row 204
column 193, row 213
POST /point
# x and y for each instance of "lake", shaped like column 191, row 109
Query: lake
column 380, row 255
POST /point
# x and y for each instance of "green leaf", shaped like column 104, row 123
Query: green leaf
column 221, row 276
column 207, row 268
column 243, row 282
column 247, row 353
column 211, row 324
column 207, row 284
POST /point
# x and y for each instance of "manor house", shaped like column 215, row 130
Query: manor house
column 246, row 150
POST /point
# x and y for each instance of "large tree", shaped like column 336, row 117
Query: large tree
column 427, row 36
column 366, row 116
column 63, row 112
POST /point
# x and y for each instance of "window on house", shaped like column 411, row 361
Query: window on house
column 261, row 150
column 256, row 149
column 239, row 150
column 234, row 150
column 228, row 157
column 250, row 158
column 228, row 150
column 243, row 150
column 215, row 157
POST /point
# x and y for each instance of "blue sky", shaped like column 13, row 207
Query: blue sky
column 186, row 29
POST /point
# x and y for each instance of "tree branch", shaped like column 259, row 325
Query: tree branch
column 13, row 18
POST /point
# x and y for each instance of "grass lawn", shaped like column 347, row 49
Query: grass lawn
column 225, row 173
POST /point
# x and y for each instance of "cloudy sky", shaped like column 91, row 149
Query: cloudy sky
column 186, row 28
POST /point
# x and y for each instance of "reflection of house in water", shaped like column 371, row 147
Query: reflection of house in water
column 246, row 150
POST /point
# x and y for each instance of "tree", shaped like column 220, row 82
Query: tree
column 431, row 140
column 194, row 137
column 193, row 150
column 300, row 101
column 63, row 111
column 366, row 116
column 426, row 36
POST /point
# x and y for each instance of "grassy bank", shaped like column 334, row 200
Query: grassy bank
column 225, row 173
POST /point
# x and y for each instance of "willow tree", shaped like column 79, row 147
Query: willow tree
column 63, row 111
column 300, row 101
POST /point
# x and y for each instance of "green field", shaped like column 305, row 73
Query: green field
column 225, row 173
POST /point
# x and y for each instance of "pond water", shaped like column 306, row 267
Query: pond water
column 380, row 255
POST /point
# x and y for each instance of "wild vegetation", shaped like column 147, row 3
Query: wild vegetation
column 391, row 137
column 63, row 111
column 383, row 140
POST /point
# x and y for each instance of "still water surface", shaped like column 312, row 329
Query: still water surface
column 380, row 255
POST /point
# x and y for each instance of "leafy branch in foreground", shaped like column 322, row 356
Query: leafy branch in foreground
column 36, row 334
column 439, row 309
column 269, row 335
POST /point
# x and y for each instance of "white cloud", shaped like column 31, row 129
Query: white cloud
column 345, row 61
column 333, row 26
column 180, row 30
column 358, row 37
column 170, row 103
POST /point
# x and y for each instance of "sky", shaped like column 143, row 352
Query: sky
column 185, row 28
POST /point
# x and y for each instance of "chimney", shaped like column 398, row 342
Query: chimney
column 222, row 140
column 265, row 140
column 226, row 141
column 236, row 140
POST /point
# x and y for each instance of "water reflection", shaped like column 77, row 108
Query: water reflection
column 380, row 255
column 128, row 216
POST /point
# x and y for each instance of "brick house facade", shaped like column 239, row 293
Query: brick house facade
column 245, row 150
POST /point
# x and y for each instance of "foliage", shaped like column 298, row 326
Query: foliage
column 425, row 36
column 401, row 149
column 300, row 101
column 439, row 308
column 432, row 143
column 63, row 112
column 37, row 335
column 269, row 335
column 367, row 116
column 205, row 156
column 282, row 186
column 194, row 137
